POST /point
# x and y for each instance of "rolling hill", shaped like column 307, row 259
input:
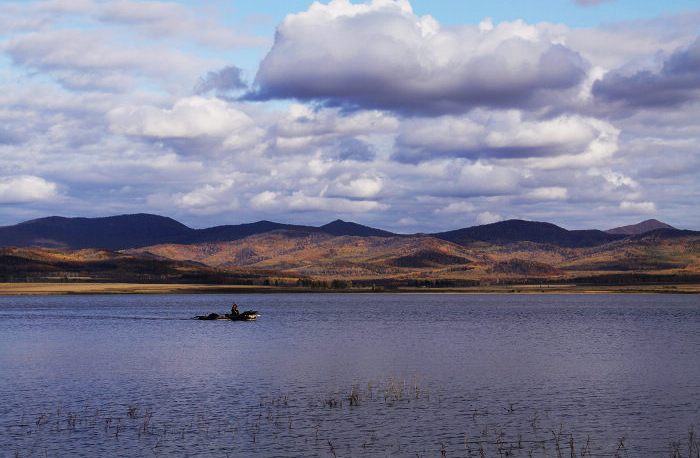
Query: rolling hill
column 509, row 251
column 42, row 264
column 325, row 256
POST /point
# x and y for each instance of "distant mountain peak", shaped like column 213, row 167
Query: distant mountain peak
column 340, row 227
column 640, row 228
column 108, row 232
column 516, row 230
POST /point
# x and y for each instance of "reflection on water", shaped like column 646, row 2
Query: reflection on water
column 349, row 375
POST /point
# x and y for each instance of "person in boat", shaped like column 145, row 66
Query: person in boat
column 234, row 309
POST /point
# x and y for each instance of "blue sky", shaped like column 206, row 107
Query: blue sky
column 455, row 12
column 266, row 14
column 409, row 116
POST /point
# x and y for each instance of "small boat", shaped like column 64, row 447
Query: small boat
column 248, row 315
column 235, row 315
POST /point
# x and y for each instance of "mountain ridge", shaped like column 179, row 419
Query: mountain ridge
column 142, row 229
column 109, row 232
column 515, row 230
column 340, row 227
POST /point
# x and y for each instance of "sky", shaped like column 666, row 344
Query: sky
column 410, row 116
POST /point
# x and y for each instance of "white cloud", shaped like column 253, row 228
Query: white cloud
column 301, row 202
column 63, row 6
column 94, row 56
column 634, row 43
column 60, row 49
column 638, row 207
column 172, row 20
column 564, row 132
column 498, row 134
column 302, row 121
column 481, row 178
column 152, row 19
column 411, row 64
column 456, row 207
column 207, row 195
column 189, row 117
column 265, row 200
column 298, row 201
column 548, row 193
column 304, row 129
column 407, row 222
column 488, row 218
column 616, row 179
column 598, row 152
column 25, row 189
column 365, row 187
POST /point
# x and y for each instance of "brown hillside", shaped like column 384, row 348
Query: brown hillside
column 39, row 264
column 649, row 254
column 652, row 253
column 522, row 268
column 326, row 257
column 323, row 256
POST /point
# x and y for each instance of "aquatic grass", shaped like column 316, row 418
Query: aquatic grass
column 355, row 395
column 40, row 420
column 393, row 389
column 693, row 447
column 285, row 421
column 132, row 411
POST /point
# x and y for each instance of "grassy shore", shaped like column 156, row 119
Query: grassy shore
column 155, row 288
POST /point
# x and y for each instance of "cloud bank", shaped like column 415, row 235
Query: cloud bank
column 676, row 83
column 367, row 112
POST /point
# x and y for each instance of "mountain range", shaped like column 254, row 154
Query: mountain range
column 507, row 251
column 139, row 230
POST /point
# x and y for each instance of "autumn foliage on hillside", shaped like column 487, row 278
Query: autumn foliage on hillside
column 342, row 253
column 327, row 257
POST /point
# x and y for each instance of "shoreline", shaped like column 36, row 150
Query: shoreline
column 38, row 289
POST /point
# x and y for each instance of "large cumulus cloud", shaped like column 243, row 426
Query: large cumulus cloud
column 381, row 55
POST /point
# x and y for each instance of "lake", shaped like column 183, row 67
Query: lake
column 350, row 375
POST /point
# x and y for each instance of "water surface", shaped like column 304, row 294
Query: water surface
column 133, row 375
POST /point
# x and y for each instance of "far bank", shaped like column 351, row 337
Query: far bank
column 8, row 289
